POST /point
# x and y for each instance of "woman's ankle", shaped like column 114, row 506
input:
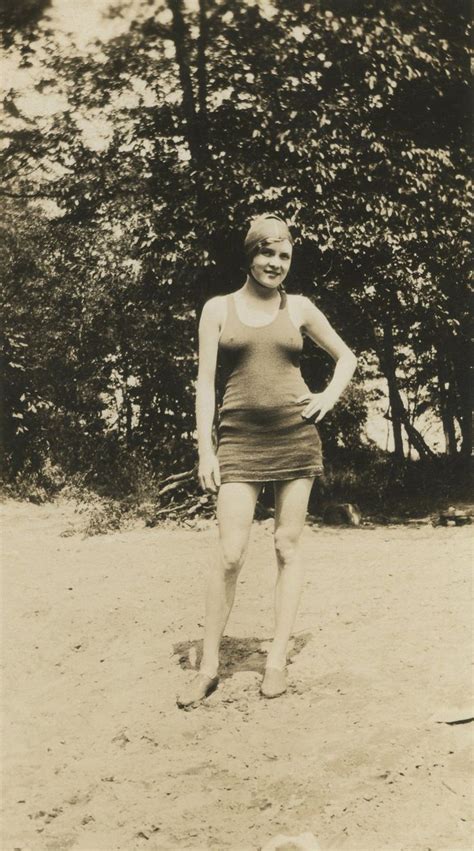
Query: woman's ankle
column 210, row 671
column 277, row 663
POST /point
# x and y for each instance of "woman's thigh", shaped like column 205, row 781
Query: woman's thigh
column 291, row 504
column 236, row 508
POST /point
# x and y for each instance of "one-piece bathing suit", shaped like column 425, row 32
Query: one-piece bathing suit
column 261, row 433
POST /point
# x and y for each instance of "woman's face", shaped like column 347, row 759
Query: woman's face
column 271, row 264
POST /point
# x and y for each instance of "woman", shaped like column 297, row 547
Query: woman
column 266, row 432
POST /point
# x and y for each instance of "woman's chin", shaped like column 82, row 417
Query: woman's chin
column 269, row 283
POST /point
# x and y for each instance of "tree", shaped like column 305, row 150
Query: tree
column 349, row 118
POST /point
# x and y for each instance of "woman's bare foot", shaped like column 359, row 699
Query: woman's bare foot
column 201, row 686
column 274, row 682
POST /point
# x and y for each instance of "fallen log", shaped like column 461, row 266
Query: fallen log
column 175, row 482
column 179, row 477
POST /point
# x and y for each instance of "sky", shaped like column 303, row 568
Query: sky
column 85, row 20
column 72, row 21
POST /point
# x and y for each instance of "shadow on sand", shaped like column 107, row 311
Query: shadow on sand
column 237, row 654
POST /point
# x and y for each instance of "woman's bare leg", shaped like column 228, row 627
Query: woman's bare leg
column 291, row 505
column 235, row 511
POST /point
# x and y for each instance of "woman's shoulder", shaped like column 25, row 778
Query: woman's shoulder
column 296, row 298
column 214, row 312
column 304, row 312
column 214, row 307
column 298, row 307
column 302, row 303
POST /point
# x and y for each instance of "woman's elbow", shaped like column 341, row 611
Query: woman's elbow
column 350, row 359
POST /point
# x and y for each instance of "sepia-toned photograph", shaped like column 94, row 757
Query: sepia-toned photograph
column 235, row 426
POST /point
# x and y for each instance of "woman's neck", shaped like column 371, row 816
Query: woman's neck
column 254, row 290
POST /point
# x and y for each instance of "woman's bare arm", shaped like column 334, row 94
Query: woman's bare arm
column 319, row 329
column 209, row 329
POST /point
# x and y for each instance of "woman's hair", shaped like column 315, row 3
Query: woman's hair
column 265, row 228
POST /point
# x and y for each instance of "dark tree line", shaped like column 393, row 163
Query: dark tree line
column 124, row 210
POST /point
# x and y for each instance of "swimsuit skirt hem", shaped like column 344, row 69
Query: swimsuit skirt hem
column 277, row 476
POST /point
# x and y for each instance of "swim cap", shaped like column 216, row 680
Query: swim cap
column 266, row 228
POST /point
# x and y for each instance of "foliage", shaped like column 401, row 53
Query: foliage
column 21, row 14
column 385, row 491
column 348, row 118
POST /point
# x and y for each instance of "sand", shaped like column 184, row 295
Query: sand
column 100, row 633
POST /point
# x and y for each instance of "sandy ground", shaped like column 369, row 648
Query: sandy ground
column 100, row 633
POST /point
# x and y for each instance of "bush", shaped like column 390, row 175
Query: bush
column 380, row 486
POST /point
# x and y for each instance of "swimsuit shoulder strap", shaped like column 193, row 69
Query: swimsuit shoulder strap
column 231, row 308
column 230, row 319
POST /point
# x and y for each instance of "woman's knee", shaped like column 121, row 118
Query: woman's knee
column 232, row 554
column 286, row 544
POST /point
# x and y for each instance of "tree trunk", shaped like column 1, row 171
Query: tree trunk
column 178, row 32
column 461, row 366
column 202, row 66
column 393, row 394
column 195, row 121
column 414, row 436
column 128, row 417
column 446, row 401
column 195, row 115
column 398, row 412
